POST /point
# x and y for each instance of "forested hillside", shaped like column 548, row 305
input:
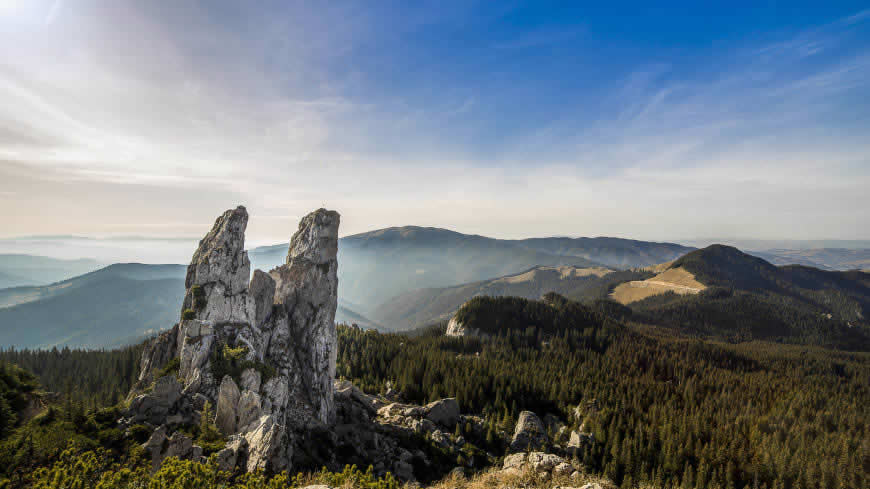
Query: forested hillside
column 748, row 298
column 664, row 410
column 17, row 394
column 671, row 412
column 94, row 378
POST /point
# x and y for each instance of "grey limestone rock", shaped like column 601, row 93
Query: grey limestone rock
column 529, row 434
column 262, row 351
column 444, row 412
column 227, row 406
column 217, row 277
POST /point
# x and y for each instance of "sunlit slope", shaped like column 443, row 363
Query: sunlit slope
column 676, row 280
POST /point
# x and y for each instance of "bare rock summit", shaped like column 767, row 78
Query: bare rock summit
column 260, row 350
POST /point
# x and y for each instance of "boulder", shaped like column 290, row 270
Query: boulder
column 155, row 406
column 154, row 446
column 563, row 469
column 544, row 462
column 577, row 441
column 180, row 446
column 514, row 461
column 444, row 412
column 529, row 433
column 265, row 448
column 403, row 470
column 228, row 457
column 353, row 394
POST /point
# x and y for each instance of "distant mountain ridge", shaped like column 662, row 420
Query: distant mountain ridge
column 413, row 257
column 426, row 306
column 113, row 306
column 842, row 259
column 17, row 270
column 611, row 252
column 404, row 277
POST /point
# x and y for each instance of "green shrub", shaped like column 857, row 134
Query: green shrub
column 97, row 468
column 226, row 360
column 351, row 476
column 199, row 301
column 171, row 367
column 188, row 314
column 210, row 439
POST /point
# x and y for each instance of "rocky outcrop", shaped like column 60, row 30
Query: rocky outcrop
column 257, row 357
column 456, row 328
column 543, row 465
column 371, row 430
column 529, row 434
column 260, row 352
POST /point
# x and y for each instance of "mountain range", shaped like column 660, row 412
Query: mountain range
column 824, row 258
column 425, row 306
column 402, row 259
column 402, row 278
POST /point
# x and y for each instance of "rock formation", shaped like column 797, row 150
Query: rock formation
column 258, row 356
column 529, row 434
column 260, row 352
column 456, row 328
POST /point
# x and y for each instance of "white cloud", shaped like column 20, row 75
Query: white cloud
column 183, row 104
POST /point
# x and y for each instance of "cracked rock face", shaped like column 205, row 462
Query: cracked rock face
column 306, row 296
column 262, row 351
column 217, row 277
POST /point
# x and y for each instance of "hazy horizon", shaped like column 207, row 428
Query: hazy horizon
column 178, row 250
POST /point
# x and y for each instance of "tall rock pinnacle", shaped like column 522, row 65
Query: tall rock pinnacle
column 306, row 291
column 218, row 274
column 261, row 350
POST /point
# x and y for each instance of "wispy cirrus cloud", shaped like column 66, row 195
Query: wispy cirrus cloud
column 415, row 117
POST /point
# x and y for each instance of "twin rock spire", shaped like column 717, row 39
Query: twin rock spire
column 276, row 330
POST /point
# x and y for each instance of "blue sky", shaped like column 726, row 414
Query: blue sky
column 508, row 119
